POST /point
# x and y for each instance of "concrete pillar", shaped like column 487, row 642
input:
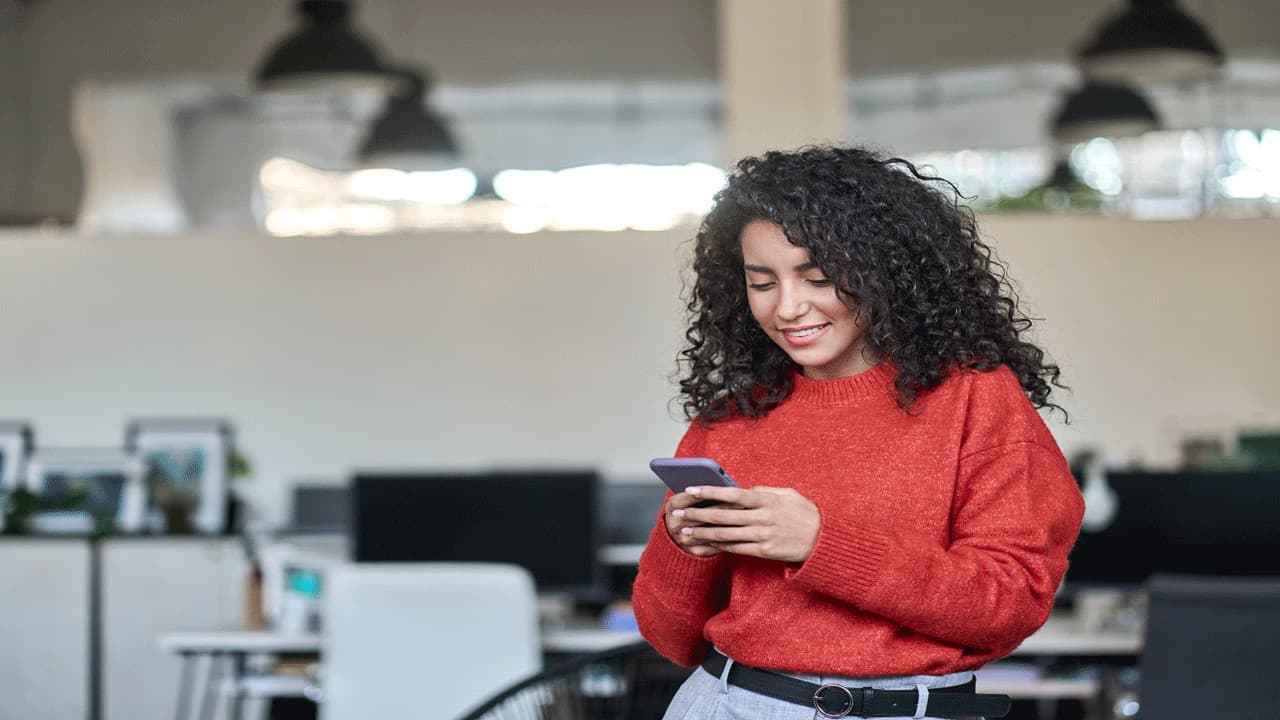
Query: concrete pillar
column 782, row 70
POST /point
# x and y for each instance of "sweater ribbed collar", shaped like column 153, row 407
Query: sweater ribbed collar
column 876, row 382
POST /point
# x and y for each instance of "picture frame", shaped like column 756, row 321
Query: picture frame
column 16, row 444
column 110, row 477
column 186, row 471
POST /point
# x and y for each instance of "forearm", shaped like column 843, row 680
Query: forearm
column 990, row 587
column 675, row 593
column 983, row 598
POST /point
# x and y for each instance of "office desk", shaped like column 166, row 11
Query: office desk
column 228, row 652
column 1061, row 636
column 579, row 639
column 230, row 649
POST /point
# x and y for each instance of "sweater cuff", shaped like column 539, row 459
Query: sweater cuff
column 844, row 559
column 683, row 577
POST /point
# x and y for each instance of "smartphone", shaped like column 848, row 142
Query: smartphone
column 684, row 472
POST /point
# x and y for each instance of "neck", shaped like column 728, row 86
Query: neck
column 876, row 381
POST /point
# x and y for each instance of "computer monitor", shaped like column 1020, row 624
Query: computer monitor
column 320, row 509
column 1196, row 523
column 630, row 510
column 544, row 521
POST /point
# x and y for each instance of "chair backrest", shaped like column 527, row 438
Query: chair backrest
column 1212, row 649
column 424, row 640
column 631, row 681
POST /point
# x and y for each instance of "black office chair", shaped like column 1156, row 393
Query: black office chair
column 1212, row 649
column 632, row 682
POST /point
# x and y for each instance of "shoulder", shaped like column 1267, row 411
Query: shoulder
column 997, row 385
column 970, row 385
column 703, row 432
column 996, row 410
column 694, row 441
column 993, row 386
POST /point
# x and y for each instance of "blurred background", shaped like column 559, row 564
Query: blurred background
column 277, row 274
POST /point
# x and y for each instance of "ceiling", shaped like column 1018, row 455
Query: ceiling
column 47, row 47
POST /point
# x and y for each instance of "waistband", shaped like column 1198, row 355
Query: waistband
column 835, row 700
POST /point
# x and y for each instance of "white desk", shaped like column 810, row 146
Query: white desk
column 1060, row 637
column 230, row 649
column 252, row 642
column 241, row 641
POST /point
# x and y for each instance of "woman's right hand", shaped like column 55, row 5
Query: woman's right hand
column 675, row 524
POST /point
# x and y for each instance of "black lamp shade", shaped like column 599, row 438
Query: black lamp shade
column 322, row 53
column 406, row 135
column 1151, row 41
column 1102, row 110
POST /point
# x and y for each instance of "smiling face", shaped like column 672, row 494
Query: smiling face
column 798, row 308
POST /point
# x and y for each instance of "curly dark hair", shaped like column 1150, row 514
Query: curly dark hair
column 900, row 249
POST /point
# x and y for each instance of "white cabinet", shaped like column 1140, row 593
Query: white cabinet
column 155, row 585
column 44, row 629
column 51, row 653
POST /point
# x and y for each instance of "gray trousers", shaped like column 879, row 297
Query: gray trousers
column 706, row 697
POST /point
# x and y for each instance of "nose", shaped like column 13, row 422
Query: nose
column 792, row 302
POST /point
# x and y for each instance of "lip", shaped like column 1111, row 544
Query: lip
column 807, row 339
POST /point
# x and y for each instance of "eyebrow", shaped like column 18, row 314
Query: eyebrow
column 762, row 269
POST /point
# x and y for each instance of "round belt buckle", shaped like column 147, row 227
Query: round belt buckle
column 819, row 699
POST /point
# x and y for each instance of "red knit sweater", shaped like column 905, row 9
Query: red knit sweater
column 945, row 532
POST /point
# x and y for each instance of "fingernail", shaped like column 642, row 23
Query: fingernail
column 678, row 513
column 695, row 490
column 686, row 531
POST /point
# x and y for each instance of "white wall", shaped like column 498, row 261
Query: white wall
column 1161, row 328
column 343, row 352
column 467, row 350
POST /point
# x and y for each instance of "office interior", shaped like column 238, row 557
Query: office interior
column 476, row 321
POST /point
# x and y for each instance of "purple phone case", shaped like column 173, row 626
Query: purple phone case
column 680, row 473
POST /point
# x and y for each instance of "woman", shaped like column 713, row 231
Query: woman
column 856, row 360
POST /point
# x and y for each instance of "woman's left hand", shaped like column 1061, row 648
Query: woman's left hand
column 764, row 522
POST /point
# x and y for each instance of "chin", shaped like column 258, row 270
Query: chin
column 811, row 362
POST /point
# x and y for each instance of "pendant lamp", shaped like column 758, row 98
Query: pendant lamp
column 407, row 135
column 1151, row 41
column 1102, row 110
column 323, row 54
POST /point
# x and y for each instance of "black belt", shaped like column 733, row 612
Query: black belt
column 835, row 701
